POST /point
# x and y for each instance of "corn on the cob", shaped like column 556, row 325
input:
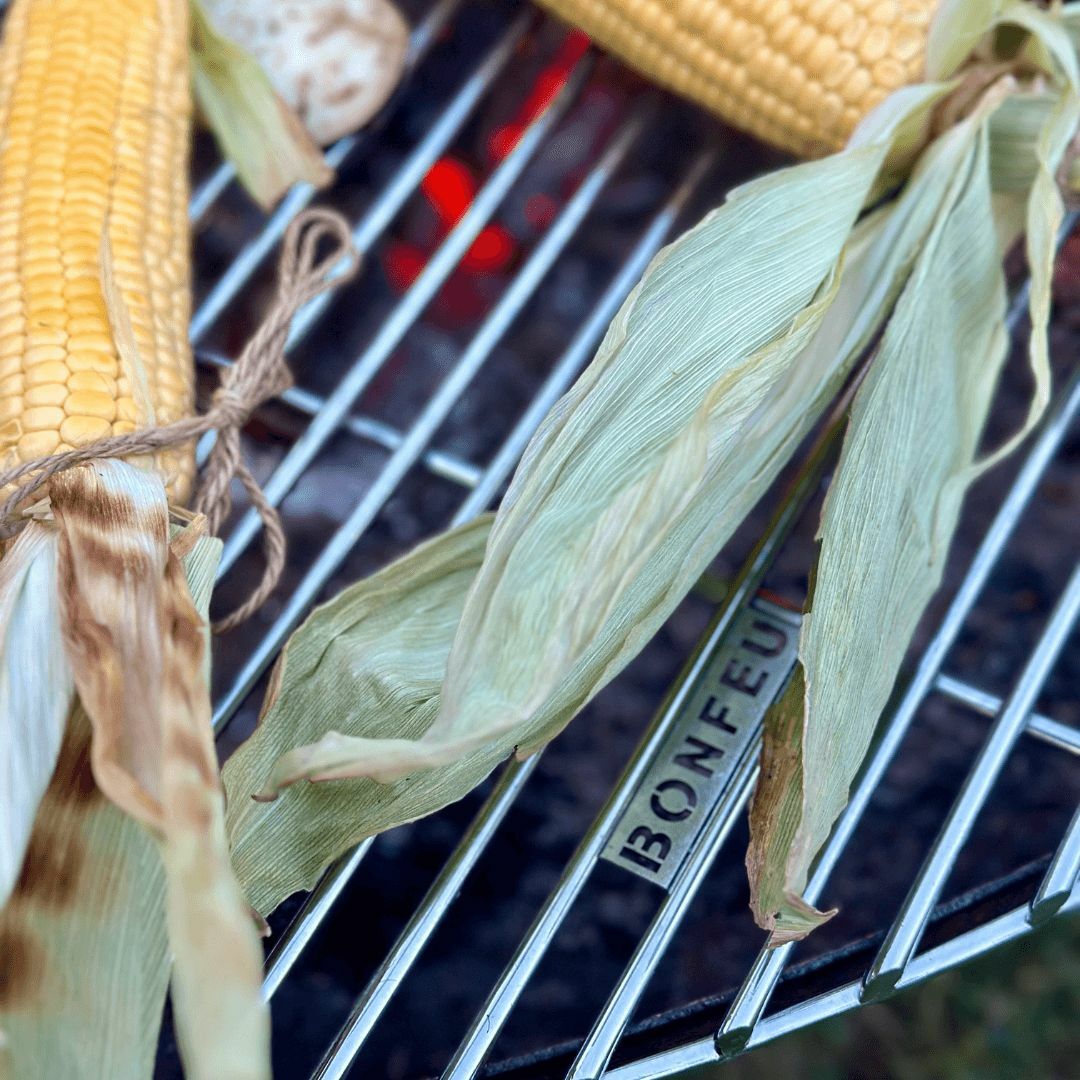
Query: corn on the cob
column 93, row 164
column 797, row 73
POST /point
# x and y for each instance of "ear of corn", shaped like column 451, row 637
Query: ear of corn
column 797, row 73
column 95, row 114
column 93, row 172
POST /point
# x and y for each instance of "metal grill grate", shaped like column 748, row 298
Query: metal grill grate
column 236, row 250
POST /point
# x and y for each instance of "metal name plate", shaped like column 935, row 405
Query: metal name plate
column 714, row 729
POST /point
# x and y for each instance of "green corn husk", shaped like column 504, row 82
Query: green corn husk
column 109, row 903
column 715, row 368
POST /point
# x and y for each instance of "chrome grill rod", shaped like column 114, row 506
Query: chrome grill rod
column 599, row 1044
column 697, row 1060
column 1044, row 728
column 448, row 466
column 1061, row 876
column 907, row 930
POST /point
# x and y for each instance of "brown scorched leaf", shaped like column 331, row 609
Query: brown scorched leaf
column 84, row 958
column 137, row 649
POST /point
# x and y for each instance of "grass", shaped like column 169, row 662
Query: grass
column 1012, row 1015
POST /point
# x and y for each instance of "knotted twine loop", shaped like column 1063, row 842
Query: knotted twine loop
column 259, row 374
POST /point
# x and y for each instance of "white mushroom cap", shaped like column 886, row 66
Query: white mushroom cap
column 335, row 62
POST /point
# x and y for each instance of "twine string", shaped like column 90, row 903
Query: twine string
column 259, row 374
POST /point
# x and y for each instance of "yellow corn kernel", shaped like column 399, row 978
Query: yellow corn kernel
column 83, row 429
column 47, row 394
column 37, row 443
column 797, row 73
column 90, row 403
column 94, row 106
column 91, row 380
column 42, row 418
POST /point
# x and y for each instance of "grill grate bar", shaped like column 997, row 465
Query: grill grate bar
column 440, row 896
column 449, row 466
column 308, row 919
column 251, row 256
column 1061, row 876
column 904, row 935
column 964, row 947
column 209, row 191
column 394, row 328
column 698, row 1058
column 757, row 988
column 1041, row 727
column 425, row 920
column 599, row 1044
column 495, row 1011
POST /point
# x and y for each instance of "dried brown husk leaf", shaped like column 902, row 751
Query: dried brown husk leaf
column 256, row 130
column 137, row 648
column 334, row 62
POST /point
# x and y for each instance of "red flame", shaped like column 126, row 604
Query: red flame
column 450, row 185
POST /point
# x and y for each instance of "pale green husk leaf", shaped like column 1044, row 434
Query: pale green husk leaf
column 909, row 457
column 369, row 663
column 708, row 379
column 84, row 957
column 256, row 130
column 884, row 535
column 32, row 711
column 958, row 26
